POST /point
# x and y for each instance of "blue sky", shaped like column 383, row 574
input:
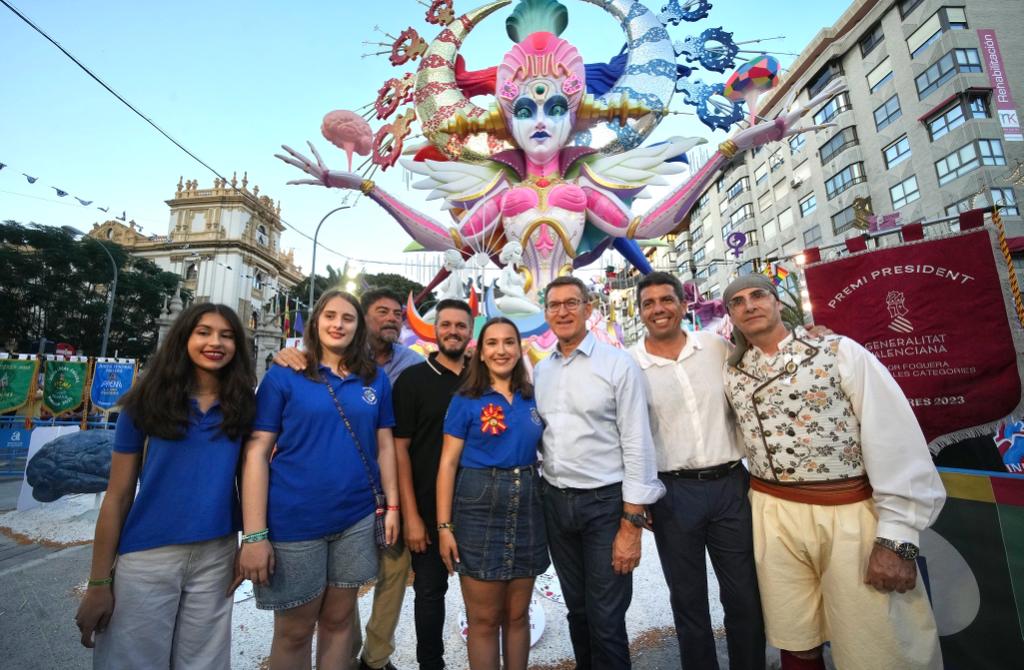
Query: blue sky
column 233, row 81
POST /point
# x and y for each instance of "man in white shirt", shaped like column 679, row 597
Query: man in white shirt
column 705, row 508
column 599, row 475
column 842, row 484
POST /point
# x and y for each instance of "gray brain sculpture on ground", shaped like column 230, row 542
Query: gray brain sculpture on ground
column 77, row 463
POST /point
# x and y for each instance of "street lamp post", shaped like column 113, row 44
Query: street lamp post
column 312, row 269
column 74, row 232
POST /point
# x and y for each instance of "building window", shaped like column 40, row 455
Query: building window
column 907, row 6
column 723, row 205
column 823, row 77
column 808, row 205
column 726, row 229
column 843, row 220
column 764, row 201
column 742, row 184
column 879, row 75
column 812, row 236
column 775, row 161
column 897, row 152
column 968, row 158
column 191, row 272
column 781, row 189
column 741, row 214
column 833, row 108
column 961, row 206
column 904, row 192
column 768, row 230
column 1007, row 200
column 257, row 281
column 888, row 112
column 261, row 235
column 977, row 103
column 699, row 254
column 702, row 201
column 844, row 179
column 796, row 143
column 953, row 62
column 844, row 139
column 785, row 219
column 945, row 19
column 871, row 39
column 696, row 233
column 760, row 173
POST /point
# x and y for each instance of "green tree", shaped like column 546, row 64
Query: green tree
column 397, row 283
column 56, row 287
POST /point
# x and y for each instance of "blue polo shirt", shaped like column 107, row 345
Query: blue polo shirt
column 186, row 487
column 511, row 447
column 318, row 485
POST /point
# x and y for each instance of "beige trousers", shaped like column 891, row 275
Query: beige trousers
column 170, row 609
column 388, row 593
column 811, row 562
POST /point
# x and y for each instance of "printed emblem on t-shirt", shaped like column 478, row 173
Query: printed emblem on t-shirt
column 369, row 395
column 535, row 416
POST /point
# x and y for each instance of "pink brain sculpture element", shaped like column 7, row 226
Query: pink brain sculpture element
column 349, row 132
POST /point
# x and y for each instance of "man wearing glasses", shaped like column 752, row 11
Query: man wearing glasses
column 842, row 484
column 599, row 474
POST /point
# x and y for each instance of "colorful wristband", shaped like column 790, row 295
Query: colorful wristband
column 106, row 581
column 393, row 508
column 446, row 526
column 258, row 536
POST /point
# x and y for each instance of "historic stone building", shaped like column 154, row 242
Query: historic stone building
column 225, row 244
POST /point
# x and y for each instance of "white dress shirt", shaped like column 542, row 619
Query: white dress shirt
column 596, row 426
column 692, row 422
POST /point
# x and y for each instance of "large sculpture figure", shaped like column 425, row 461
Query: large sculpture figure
column 550, row 166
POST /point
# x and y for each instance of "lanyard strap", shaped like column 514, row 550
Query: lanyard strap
column 355, row 439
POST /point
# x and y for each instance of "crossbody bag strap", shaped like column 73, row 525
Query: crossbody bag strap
column 359, row 447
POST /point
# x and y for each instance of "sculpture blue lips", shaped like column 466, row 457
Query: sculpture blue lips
column 540, row 135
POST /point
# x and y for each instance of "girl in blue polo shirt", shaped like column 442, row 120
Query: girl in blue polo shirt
column 319, row 437
column 178, row 437
column 493, row 532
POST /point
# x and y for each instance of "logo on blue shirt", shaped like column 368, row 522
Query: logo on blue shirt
column 369, row 395
column 535, row 417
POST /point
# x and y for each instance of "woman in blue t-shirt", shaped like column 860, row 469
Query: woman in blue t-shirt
column 321, row 446
column 178, row 437
column 493, row 532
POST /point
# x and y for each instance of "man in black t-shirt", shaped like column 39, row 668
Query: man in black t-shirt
column 421, row 397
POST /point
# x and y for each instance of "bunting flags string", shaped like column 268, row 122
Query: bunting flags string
column 61, row 193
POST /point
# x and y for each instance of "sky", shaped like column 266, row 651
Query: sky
column 233, row 81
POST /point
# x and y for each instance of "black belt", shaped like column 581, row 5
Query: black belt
column 716, row 472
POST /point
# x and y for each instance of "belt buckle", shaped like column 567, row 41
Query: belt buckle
column 706, row 475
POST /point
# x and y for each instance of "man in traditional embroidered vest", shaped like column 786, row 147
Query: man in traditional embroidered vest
column 842, row 484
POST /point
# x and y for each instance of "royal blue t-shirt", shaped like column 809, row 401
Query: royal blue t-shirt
column 318, row 485
column 186, row 487
column 490, row 445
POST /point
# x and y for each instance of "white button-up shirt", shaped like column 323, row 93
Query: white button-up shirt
column 692, row 422
column 596, row 427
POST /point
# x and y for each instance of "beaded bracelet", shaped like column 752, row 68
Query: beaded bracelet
column 258, row 536
column 106, row 581
column 446, row 526
column 393, row 508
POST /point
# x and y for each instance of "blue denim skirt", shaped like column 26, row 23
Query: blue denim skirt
column 499, row 523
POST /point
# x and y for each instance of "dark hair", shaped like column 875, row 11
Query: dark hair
column 452, row 303
column 478, row 377
column 374, row 294
column 660, row 279
column 159, row 402
column 568, row 280
column 356, row 358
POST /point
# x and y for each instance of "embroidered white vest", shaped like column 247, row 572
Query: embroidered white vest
column 797, row 423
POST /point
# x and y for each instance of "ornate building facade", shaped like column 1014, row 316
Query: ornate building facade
column 225, row 244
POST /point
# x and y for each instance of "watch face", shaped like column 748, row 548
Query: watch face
column 907, row 551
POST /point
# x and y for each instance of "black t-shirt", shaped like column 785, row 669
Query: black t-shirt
column 421, row 396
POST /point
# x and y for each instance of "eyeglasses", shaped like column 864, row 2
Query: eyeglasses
column 571, row 305
column 756, row 296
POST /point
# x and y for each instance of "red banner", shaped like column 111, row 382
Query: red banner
column 938, row 314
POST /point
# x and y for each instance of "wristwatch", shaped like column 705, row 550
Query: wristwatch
column 904, row 550
column 638, row 520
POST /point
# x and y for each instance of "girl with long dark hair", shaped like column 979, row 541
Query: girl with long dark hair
column 321, row 446
column 492, row 533
column 178, row 437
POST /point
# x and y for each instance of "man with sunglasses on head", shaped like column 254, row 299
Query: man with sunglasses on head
column 599, row 474
column 842, row 484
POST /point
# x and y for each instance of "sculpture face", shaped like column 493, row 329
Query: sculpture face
column 541, row 121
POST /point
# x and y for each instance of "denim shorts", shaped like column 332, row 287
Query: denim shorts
column 302, row 570
column 499, row 523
